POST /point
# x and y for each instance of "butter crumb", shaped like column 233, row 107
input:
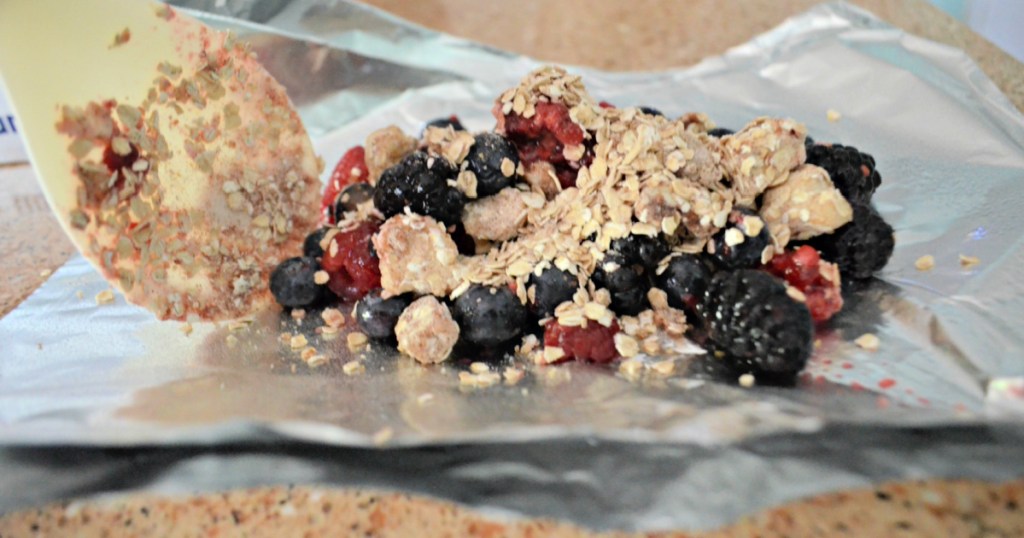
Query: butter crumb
column 968, row 261
column 925, row 263
column 105, row 297
column 867, row 341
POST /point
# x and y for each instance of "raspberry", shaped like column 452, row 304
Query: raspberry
column 595, row 342
column 754, row 326
column 420, row 182
column 852, row 172
column 544, row 136
column 344, row 174
column 353, row 268
column 115, row 163
column 861, row 247
column 747, row 252
column 818, row 280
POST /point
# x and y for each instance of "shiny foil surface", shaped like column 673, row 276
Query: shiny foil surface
column 942, row 396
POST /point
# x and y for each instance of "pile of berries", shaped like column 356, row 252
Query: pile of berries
column 756, row 315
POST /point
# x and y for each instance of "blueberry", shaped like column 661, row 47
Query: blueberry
column 377, row 316
column 420, row 182
column 489, row 151
column 350, row 197
column 552, row 288
column 747, row 252
column 685, row 280
column 451, row 121
column 292, row 283
column 650, row 111
column 719, row 132
column 627, row 283
column 311, row 246
column 489, row 316
column 641, row 250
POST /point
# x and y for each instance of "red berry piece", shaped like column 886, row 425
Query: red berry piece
column 350, row 262
column 543, row 136
column 350, row 169
column 817, row 279
column 594, row 343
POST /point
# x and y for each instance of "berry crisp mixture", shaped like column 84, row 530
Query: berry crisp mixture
column 575, row 230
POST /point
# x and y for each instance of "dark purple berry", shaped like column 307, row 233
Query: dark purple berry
column 350, row 197
column 489, row 316
column 719, row 132
column 650, row 111
column 311, row 246
column 685, row 280
column 485, row 160
column 377, row 316
column 754, row 326
column 420, row 182
column 627, row 283
column 451, row 121
column 852, row 171
column 860, row 248
column 292, row 283
column 552, row 288
column 746, row 253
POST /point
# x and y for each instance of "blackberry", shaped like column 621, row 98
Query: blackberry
column 485, row 158
column 861, row 247
column 489, row 316
column 627, row 283
column 685, row 280
column 311, row 245
column 852, row 172
column 452, row 121
column 552, row 288
column 377, row 316
column 650, row 111
column 641, row 250
column 747, row 251
column 420, row 183
column 292, row 283
column 753, row 325
column 719, row 132
column 349, row 199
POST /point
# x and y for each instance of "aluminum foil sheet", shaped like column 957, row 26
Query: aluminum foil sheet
column 943, row 395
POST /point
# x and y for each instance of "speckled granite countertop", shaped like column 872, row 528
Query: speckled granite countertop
column 645, row 35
